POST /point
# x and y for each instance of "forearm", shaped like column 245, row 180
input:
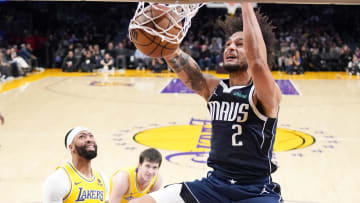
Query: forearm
column 254, row 44
column 266, row 89
column 189, row 72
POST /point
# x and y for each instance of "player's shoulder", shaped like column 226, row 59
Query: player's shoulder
column 121, row 174
column 57, row 183
column 59, row 173
column 212, row 82
column 121, row 178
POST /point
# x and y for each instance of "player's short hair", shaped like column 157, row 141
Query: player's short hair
column 151, row 155
column 230, row 25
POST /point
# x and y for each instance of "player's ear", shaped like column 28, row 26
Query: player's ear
column 71, row 147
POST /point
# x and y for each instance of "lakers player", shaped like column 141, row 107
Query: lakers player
column 243, row 109
column 77, row 181
column 134, row 182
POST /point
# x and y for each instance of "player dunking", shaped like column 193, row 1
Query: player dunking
column 244, row 110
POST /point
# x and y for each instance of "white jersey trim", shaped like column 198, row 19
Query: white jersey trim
column 271, row 144
column 253, row 106
column 226, row 89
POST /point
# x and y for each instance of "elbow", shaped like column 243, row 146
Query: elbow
column 271, row 103
column 277, row 96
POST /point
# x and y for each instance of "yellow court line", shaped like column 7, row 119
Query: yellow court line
column 17, row 82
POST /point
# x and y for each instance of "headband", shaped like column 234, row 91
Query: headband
column 72, row 134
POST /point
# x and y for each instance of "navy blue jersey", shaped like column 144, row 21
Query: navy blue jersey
column 242, row 137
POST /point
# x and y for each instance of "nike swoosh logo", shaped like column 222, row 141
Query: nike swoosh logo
column 77, row 183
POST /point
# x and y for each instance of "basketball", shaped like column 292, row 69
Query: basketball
column 161, row 20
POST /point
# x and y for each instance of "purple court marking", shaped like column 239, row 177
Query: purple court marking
column 287, row 87
column 177, row 86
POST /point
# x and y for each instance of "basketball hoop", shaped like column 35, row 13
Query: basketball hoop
column 184, row 14
column 232, row 7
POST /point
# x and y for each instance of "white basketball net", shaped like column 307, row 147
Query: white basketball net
column 183, row 12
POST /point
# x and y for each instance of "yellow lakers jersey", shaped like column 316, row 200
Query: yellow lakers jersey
column 133, row 190
column 83, row 189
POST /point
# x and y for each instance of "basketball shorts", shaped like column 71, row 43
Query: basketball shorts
column 215, row 189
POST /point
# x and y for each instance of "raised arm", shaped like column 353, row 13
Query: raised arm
column 189, row 72
column 266, row 90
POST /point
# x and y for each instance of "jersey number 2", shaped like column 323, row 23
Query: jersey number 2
column 238, row 133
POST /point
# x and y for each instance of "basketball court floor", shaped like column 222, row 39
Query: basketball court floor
column 316, row 148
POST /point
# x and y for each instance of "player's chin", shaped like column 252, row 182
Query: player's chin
column 149, row 177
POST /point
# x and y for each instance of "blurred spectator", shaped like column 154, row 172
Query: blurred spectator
column 157, row 65
column 305, row 57
column 26, row 54
column 354, row 66
column 107, row 63
column 110, row 50
column 141, row 60
column 345, row 56
column 314, row 60
column 205, row 58
column 295, row 64
column 21, row 67
column 357, row 52
column 88, row 62
column 6, row 60
column 121, row 56
column 97, row 54
column 333, row 63
column 69, row 63
column 59, row 56
column 282, row 58
column 70, row 47
column 185, row 46
column 215, row 49
column 4, row 67
column 195, row 50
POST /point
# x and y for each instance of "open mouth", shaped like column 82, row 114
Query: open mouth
column 90, row 147
column 231, row 58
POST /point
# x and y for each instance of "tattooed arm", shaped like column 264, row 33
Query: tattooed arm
column 189, row 72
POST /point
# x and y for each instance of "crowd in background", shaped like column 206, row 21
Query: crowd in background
column 90, row 36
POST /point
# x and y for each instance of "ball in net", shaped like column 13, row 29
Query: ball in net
column 156, row 19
